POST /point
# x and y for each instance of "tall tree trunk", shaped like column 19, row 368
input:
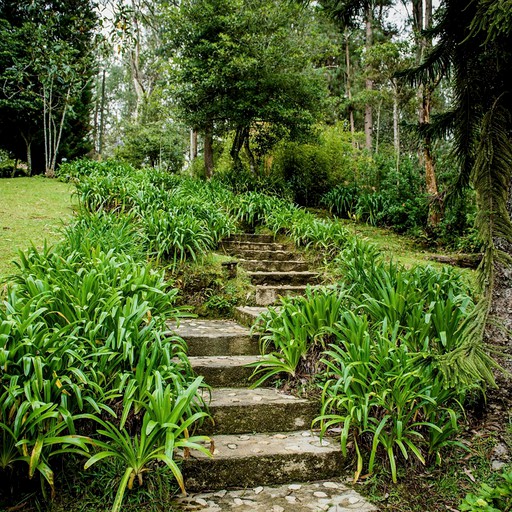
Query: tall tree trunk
column 500, row 333
column 368, row 112
column 422, row 19
column 396, row 123
column 137, row 78
column 208, row 151
column 193, row 144
column 348, row 87
column 28, row 145
column 238, row 142
column 102, row 117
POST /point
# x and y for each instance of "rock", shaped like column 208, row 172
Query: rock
column 277, row 508
column 220, row 494
column 257, row 490
column 201, row 502
column 320, row 494
column 294, row 487
column 331, row 485
column 497, row 465
column 290, row 499
column 353, row 500
column 238, row 502
column 232, row 446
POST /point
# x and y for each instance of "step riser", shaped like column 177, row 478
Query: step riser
column 248, row 237
column 261, row 418
column 268, row 295
column 244, row 317
column 284, row 278
column 248, row 254
column 254, row 471
column 225, row 376
column 220, row 346
column 251, row 246
column 274, row 266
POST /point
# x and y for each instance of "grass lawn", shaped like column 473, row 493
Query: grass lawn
column 31, row 210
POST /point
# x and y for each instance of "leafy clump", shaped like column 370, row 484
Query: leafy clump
column 490, row 499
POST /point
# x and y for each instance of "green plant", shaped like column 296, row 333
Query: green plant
column 379, row 397
column 165, row 425
column 490, row 499
column 296, row 330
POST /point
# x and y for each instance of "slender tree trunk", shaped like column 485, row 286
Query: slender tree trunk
column 28, row 145
column 396, row 125
column 368, row 112
column 208, row 151
column 422, row 19
column 102, row 117
column 378, row 127
column 193, row 144
column 348, row 87
column 135, row 65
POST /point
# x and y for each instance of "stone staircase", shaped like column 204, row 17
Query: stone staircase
column 263, row 448
column 272, row 267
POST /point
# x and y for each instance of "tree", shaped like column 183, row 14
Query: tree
column 346, row 13
column 47, row 66
column 244, row 64
column 475, row 49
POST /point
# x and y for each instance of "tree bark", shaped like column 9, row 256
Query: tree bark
column 238, row 142
column 501, row 295
column 368, row 112
column 193, row 144
column 348, row 87
column 208, row 151
column 422, row 18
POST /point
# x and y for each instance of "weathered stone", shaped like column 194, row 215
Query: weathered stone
column 284, row 278
column 257, row 410
column 274, row 266
column 215, row 337
column 274, row 464
column 224, row 371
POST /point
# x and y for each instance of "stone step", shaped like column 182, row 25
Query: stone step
column 274, row 266
column 235, row 247
column 267, row 295
column 248, row 315
column 224, row 371
column 215, row 337
column 250, row 237
column 329, row 495
column 251, row 460
column 250, row 254
column 284, row 278
column 242, row 410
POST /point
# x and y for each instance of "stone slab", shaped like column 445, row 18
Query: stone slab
column 251, row 460
column 234, row 246
column 248, row 315
column 267, row 295
column 274, row 266
column 250, row 237
column 284, row 278
column 330, row 496
column 242, row 410
column 215, row 337
column 224, row 371
column 258, row 254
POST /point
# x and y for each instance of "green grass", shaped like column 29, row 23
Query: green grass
column 31, row 210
